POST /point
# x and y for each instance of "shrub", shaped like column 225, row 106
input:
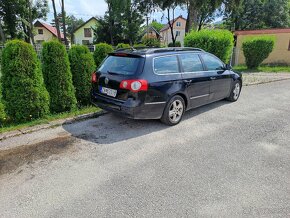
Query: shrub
column 58, row 77
column 177, row 44
column 101, row 51
column 217, row 42
column 257, row 49
column 23, row 90
column 123, row 45
column 82, row 65
column 139, row 46
column 151, row 42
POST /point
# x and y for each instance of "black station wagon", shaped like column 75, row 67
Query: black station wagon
column 162, row 83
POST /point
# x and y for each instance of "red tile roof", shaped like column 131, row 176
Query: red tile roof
column 263, row 31
column 49, row 28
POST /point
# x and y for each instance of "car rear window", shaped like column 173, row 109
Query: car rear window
column 120, row 65
column 166, row 65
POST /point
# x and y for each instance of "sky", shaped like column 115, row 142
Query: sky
column 88, row 8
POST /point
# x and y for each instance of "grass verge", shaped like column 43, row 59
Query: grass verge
column 265, row 69
column 49, row 118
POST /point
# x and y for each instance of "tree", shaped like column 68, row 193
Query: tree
column 63, row 21
column 56, row 21
column 156, row 25
column 132, row 20
column 72, row 23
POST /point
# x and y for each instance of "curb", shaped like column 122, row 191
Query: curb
column 51, row 124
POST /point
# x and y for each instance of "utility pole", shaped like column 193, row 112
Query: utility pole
column 147, row 21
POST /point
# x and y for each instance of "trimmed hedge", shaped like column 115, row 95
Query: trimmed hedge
column 82, row 65
column 2, row 114
column 101, row 51
column 151, row 42
column 123, row 45
column 177, row 44
column 217, row 42
column 58, row 77
column 23, row 91
column 257, row 49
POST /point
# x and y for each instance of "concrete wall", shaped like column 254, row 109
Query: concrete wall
column 79, row 34
column 46, row 36
column 166, row 34
column 280, row 53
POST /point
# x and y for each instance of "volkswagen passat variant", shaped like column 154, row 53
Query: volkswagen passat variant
column 162, row 83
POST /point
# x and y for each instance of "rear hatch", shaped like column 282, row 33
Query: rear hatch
column 116, row 68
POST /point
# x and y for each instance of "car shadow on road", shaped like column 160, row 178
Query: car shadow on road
column 111, row 128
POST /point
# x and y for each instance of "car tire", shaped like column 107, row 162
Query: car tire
column 235, row 92
column 173, row 111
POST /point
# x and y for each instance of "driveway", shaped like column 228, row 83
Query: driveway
column 222, row 160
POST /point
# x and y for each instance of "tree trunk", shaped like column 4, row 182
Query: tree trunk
column 171, row 25
column 63, row 22
column 56, row 21
column 30, row 28
column 192, row 17
column 2, row 35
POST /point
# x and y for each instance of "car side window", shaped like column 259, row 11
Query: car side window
column 212, row 63
column 191, row 62
column 166, row 65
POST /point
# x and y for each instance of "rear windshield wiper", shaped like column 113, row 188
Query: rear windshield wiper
column 112, row 73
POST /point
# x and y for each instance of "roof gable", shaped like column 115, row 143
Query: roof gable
column 166, row 26
column 92, row 18
column 49, row 28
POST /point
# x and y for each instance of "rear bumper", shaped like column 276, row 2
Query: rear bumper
column 134, row 109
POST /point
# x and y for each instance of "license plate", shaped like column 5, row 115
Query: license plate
column 109, row 92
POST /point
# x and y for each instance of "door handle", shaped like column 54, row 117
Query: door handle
column 212, row 77
column 188, row 81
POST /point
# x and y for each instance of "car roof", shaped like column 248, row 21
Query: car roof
column 144, row 51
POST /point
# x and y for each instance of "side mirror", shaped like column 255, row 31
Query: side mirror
column 228, row 67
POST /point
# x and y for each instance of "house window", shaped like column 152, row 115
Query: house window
column 88, row 32
column 177, row 33
column 85, row 42
column 289, row 46
column 40, row 31
column 178, row 24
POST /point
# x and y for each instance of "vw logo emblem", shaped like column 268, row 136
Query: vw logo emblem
column 106, row 81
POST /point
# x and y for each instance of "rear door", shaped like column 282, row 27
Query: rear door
column 220, row 79
column 196, row 79
column 115, row 68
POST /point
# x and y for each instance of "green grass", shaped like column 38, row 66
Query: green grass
column 264, row 68
column 49, row 118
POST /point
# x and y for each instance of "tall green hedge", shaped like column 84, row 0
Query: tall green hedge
column 257, row 49
column 217, row 42
column 58, row 77
column 23, row 90
column 101, row 51
column 82, row 65
column 2, row 113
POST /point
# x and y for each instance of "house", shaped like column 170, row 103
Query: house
column 84, row 35
column 151, row 32
column 179, row 24
column 45, row 32
column 280, row 53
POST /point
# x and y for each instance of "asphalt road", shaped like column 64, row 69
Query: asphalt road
column 223, row 160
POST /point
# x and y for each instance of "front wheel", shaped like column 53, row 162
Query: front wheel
column 174, row 111
column 235, row 92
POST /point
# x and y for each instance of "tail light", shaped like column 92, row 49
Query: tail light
column 135, row 85
column 94, row 77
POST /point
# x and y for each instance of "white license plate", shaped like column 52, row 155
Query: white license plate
column 109, row 92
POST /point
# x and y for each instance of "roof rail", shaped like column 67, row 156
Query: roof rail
column 176, row 49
